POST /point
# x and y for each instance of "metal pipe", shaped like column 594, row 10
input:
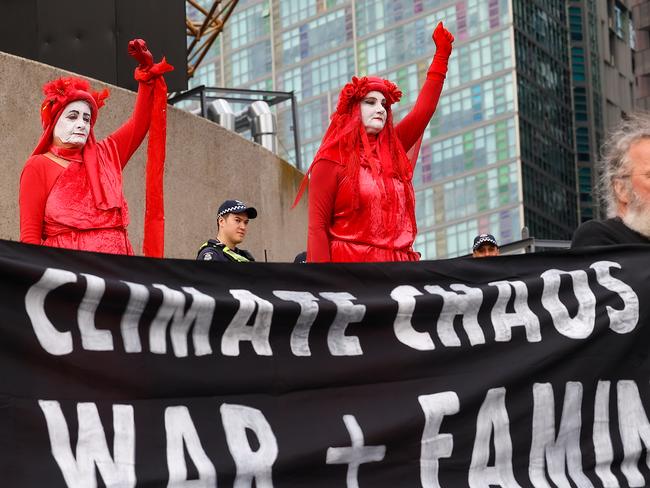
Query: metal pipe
column 296, row 139
column 221, row 112
column 264, row 126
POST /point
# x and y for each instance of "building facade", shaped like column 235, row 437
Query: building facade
column 603, row 39
column 545, row 121
column 641, row 18
column 500, row 151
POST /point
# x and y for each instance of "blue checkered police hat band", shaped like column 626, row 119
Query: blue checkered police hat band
column 236, row 206
column 484, row 239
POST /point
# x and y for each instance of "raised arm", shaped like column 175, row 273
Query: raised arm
column 130, row 135
column 412, row 126
column 323, row 185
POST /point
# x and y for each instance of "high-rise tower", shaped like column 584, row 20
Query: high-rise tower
column 500, row 153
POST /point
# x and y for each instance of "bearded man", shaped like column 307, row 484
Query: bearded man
column 625, row 188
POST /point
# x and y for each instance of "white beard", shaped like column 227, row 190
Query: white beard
column 637, row 216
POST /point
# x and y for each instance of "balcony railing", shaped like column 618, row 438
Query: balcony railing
column 248, row 118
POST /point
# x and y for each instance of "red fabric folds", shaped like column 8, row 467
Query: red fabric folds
column 154, row 217
column 83, row 206
column 361, row 198
column 59, row 93
column 70, row 154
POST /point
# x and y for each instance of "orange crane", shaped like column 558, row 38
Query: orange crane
column 204, row 21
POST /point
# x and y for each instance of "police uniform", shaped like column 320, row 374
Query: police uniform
column 214, row 250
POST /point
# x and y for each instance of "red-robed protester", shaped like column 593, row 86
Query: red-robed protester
column 71, row 187
column 361, row 199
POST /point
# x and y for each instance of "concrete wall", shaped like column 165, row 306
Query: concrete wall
column 205, row 165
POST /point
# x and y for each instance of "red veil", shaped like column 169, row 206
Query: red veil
column 107, row 193
column 346, row 137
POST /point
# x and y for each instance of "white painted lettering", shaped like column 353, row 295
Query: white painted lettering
column 582, row 324
column 308, row 312
column 181, row 436
column 602, row 440
column 55, row 342
column 405, row 295
column 355, row 455
column 504, row 321
column 492, row 418
column 624, row 320
column 138, row 298
column 251, row 465
column 346, row 314
column 635, row 431
column 93, row 339
column 92, row 449
column 563, row 452
column 239, row 329
column 466, row 304
column 172, row 309
column 434, row 444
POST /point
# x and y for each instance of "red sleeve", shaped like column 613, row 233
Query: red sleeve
column 412, row 126
column 32, row 196
column 323, row 185
column 128, row 138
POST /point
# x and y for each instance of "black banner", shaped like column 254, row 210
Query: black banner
column 527, row 370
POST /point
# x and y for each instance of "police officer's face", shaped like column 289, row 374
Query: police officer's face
column 232, row 228
column 486, row 250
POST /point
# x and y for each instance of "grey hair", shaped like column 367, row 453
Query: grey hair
column 615, row 162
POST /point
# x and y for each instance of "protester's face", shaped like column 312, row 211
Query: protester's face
column 639, row 157
column 373, row 112
column 486, row 250
column 635, row 196
column 232, row 228
column 73, row 126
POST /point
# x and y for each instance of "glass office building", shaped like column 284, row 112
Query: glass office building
column 603, row 44
column 499, row 152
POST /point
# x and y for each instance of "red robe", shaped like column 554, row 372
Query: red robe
column 380, row 227
column 56, row 203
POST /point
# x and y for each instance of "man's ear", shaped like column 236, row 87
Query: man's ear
column 621, row 191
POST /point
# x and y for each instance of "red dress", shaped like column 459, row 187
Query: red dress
column 370, row 220
column 57, row 207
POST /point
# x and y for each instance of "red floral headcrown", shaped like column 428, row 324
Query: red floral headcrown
column 60, row 92
column 358, row 88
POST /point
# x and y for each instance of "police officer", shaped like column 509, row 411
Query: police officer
column 232, row 222
column 485, row 245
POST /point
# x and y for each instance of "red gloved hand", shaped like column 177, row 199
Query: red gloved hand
column 139, row 51
column 443, row 39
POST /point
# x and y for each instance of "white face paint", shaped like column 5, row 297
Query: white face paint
column 373, row 112
column 73, row 126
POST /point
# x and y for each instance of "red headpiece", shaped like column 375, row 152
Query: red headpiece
column 58, row 94
column 346, row 135
column 353, row 92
